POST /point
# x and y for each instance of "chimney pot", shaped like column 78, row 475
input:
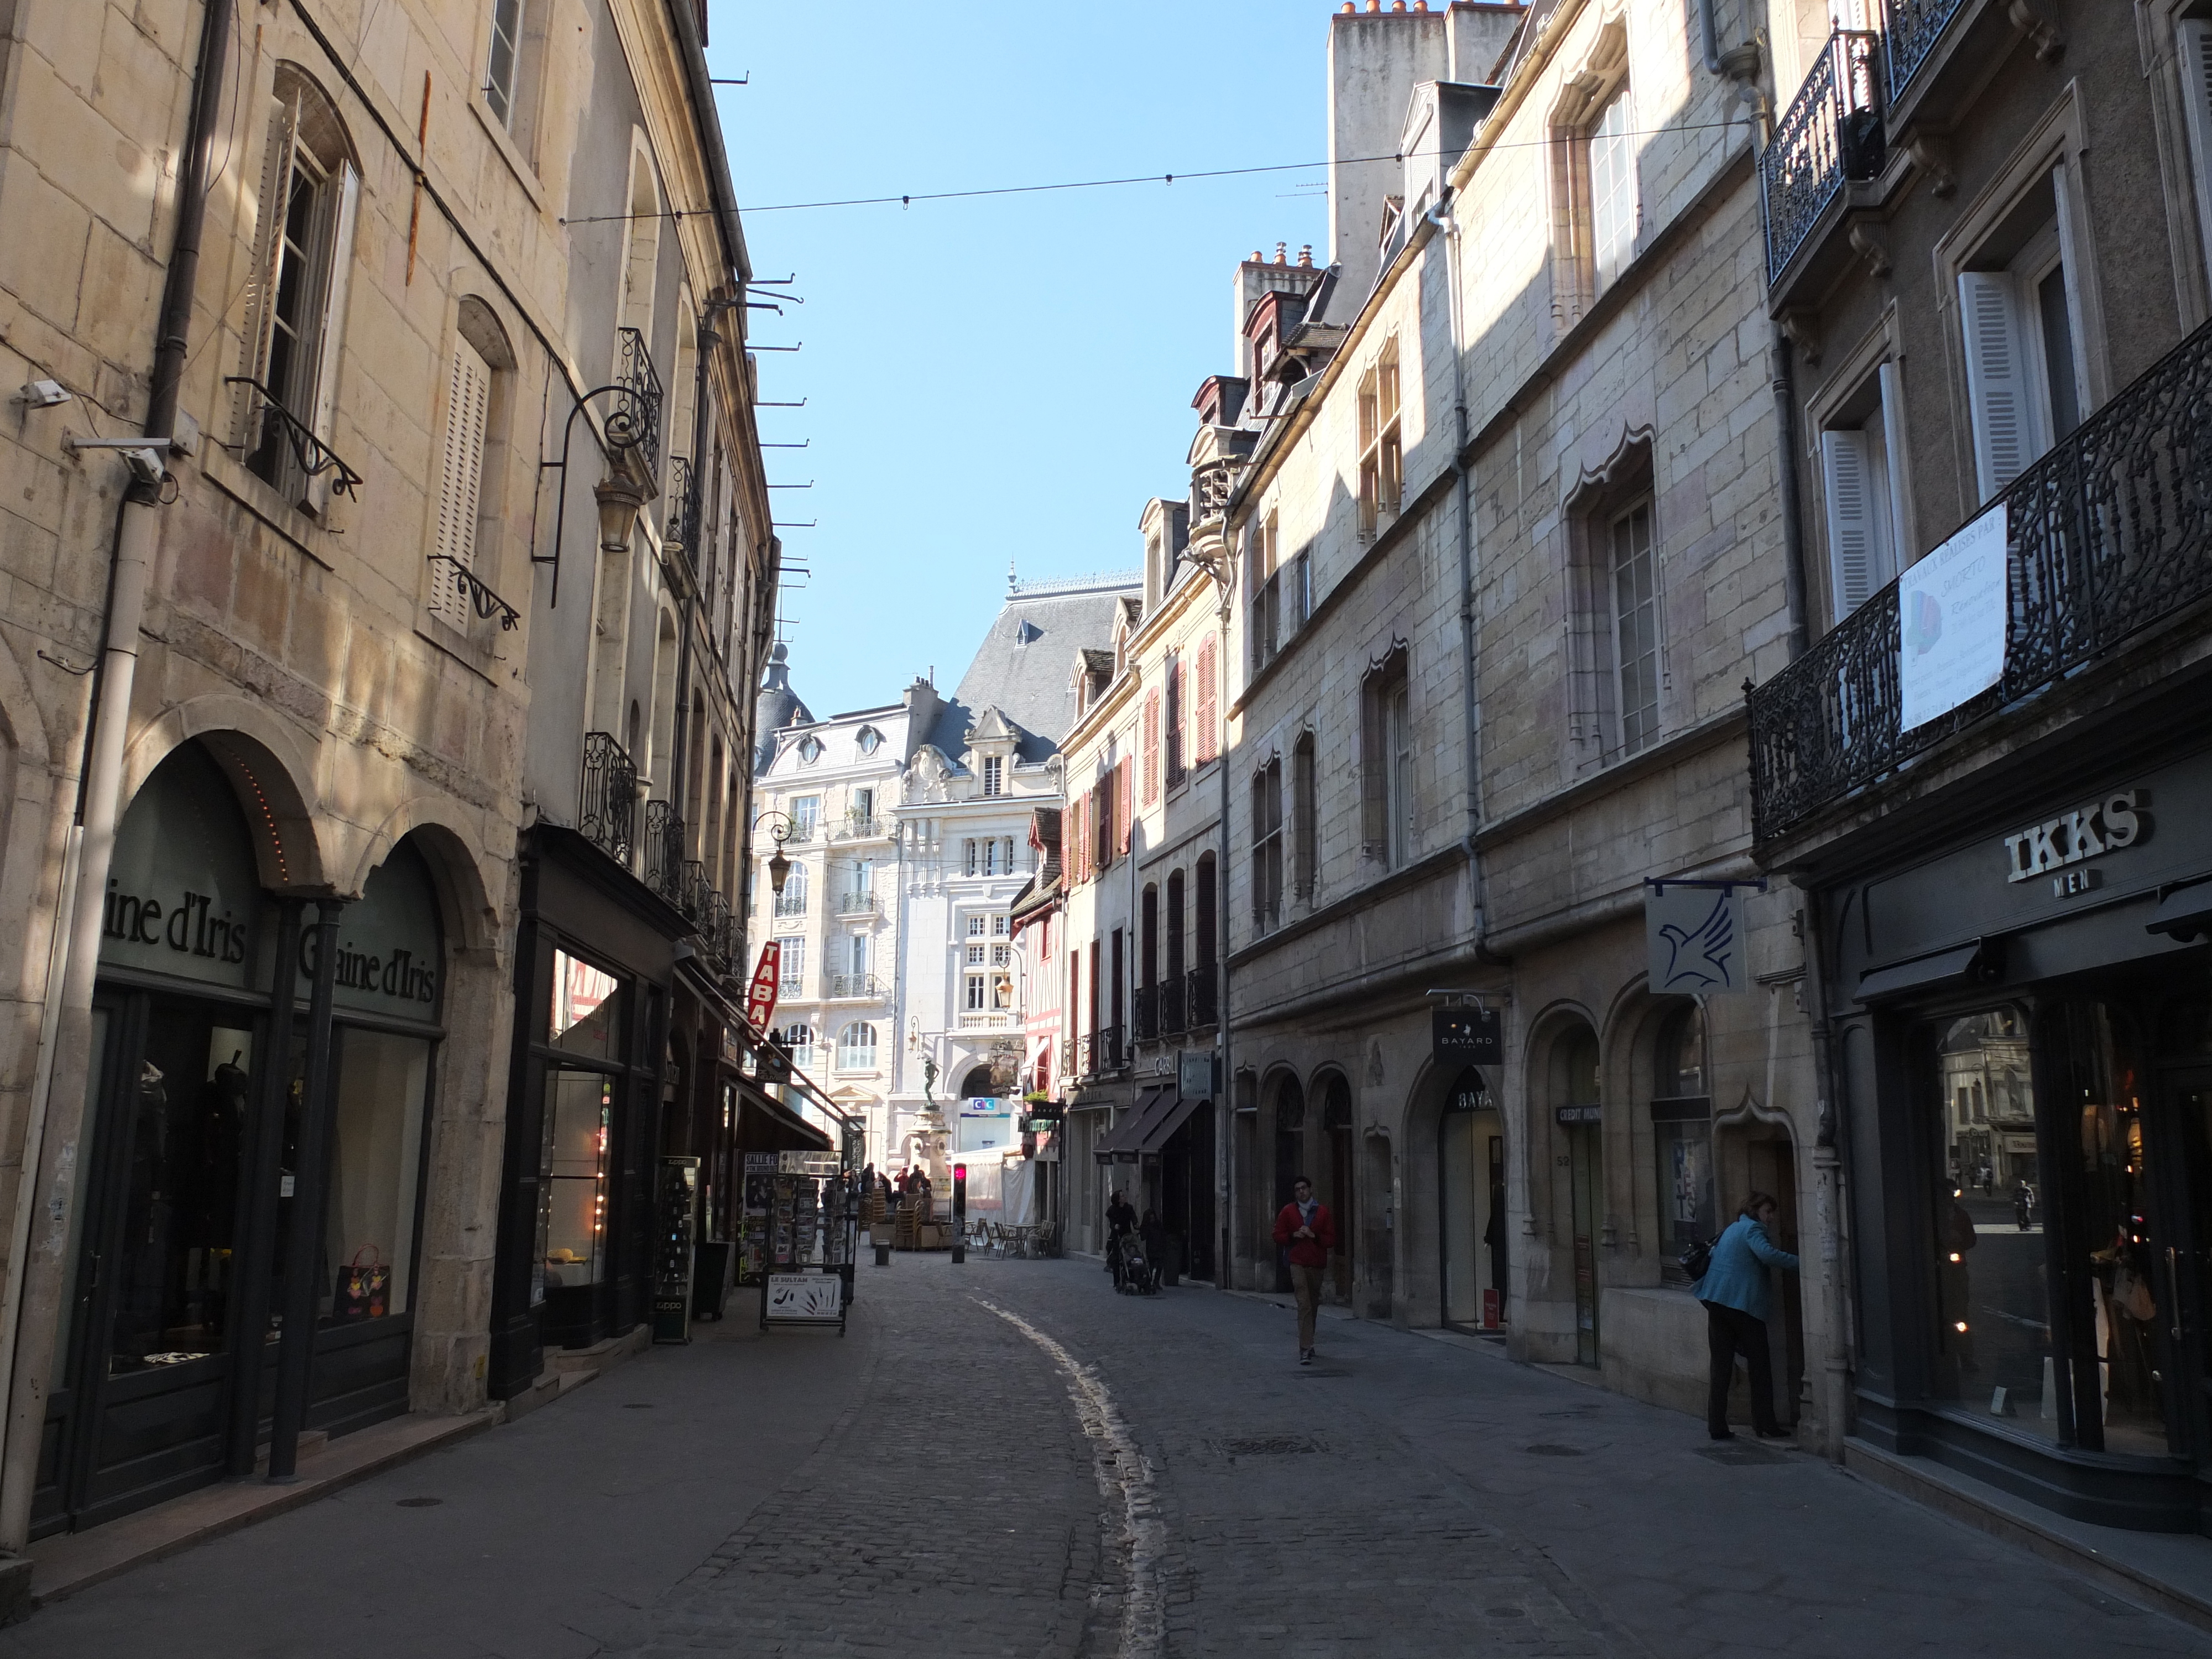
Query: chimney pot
column 1305, row 256
column 1397, row 5
column 1282, row 253
column 1349, row 8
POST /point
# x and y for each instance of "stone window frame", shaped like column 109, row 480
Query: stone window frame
column 1871, row 372
column 1385, row 836
column 1585, row 94
column 1598, row 498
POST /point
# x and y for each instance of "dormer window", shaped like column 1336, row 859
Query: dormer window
column 869, row 740
column 995, row 776
column 809, row 749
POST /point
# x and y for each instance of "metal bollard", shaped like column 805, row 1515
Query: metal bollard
column 883, row 1256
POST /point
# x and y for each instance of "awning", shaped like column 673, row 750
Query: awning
column 1120, row 1143
column 1968, row 964
column 787, row 1117
column 2185, row 913
column 1163, row 1127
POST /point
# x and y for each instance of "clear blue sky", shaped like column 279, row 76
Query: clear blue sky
column 1008, row 378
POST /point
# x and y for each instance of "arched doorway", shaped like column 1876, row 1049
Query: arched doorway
column 1341, row 1177
column 977, row 1085
column 1580, row 1119
column 1289, row 1159
column 1471, row 1205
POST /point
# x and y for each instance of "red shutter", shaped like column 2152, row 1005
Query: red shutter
column 1205, row 716
column 1125, row 794
column 1151, row 747
column 1079, row 848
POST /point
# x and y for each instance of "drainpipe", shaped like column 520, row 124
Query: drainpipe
column 1224, row 1102
column 66, row 1020
column 1709, row 36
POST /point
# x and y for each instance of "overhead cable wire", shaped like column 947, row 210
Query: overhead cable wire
column 911, row 197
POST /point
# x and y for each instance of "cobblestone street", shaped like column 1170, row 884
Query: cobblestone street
column 950, row 1480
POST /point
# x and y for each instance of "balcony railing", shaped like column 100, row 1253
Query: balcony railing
column 798, row 834
column 789, row 904
column 856, row 904
column 2109, row 534
column 859, row 827
column 1172, row 1023
column 456, row 594
column 681, row 533
column 607, row 813
column 633, row 422
column 1831, row 133
column 1202, row 998
column 854, row 985
column 987, row 1020
column 1148, row 1013
column 1911, row 28
column 272, row 430
column 1107, row 1052
column 664, row 848
column 718, row 931
column 694, row 891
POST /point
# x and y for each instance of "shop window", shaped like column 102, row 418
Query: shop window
column 376, row 1150
column 572, row 1225
column 1682, row 1140
column 587, row 1009
column 310, row 199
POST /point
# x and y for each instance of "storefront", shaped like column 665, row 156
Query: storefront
column 207, row 1164
column 2024, row 1035
column 594, row 960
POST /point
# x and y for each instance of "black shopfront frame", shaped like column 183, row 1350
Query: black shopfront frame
column 1946, row 932
column 112, row 1445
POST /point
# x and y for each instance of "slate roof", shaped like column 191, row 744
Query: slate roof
column 775, row 706
column 1023, row 666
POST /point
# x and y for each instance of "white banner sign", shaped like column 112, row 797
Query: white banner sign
column 1951, row 621
column 806, row 1298
column 1695, row 938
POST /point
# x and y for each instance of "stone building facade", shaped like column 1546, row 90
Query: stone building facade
column 265, row 868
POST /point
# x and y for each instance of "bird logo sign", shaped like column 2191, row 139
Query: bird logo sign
column 1695, row 935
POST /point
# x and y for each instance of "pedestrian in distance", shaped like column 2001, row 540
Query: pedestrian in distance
column 1120, row 1220
column 1305, row 1227
column 1737, row 1300
column 2023, row 1205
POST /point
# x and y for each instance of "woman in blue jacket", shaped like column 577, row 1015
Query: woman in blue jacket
column 1735, row 1292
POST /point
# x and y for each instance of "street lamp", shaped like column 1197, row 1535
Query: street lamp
column 779, row 865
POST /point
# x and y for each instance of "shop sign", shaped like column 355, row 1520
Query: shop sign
column 1468, row 1036
column 2087, row 831
column 183, row 897
column 983, row 1125
column 1951, row 621
column 821, row 1165
column 388, row 952
column 805, row 1299
column 1195, row 1078
column 1574, row 1117
column 1693, row 937
column 760, row 997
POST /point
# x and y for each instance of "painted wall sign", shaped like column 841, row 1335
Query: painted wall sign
column 2087, row 831
column 183, row 896
column 1951, row 621
column 389, row 956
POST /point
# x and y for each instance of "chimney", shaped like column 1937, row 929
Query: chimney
column 1376, row 59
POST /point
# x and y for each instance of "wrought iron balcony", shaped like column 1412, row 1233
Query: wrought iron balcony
column 717, row 931
column 1148, row 1013
column 607, row 813
column 663, row 849
column 857, row 827
column 1067, row 1056
column 633, row 422
column 456, row 594
column 856, row 904
column 789, row 904
column 1086, row 1053
column 1110, row 1054
column 693, row 891
column 681, row 532
column 2109, row 534
column 1911, row 28
column 1172, row 1023
column 798, row 833
column 1203, row 997
column 1832, row 133
column 854, row 985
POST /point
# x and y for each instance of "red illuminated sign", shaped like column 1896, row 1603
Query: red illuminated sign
column 760, row 998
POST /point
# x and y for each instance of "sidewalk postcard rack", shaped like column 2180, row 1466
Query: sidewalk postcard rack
column 811, row 1222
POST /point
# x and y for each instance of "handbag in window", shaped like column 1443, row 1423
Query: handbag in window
column 363, row 1287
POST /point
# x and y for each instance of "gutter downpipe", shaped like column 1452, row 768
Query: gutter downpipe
column 1224, row 1102
column 66, row 1018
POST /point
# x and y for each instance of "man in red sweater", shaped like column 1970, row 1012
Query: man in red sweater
column 1307, row 1227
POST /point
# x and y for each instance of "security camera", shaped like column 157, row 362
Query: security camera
column 145, row 465
column 44, row 394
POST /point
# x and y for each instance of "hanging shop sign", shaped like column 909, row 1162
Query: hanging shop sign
column 2087, row 831
column 1951, row 621
column 183, row 897
column 388, row 950
column 1693, row 937
column 1468, row 1036
column 760, row 996
column 1194, row 1075
column 984, row 1125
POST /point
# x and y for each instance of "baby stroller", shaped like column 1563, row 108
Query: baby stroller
column 1140, row 1275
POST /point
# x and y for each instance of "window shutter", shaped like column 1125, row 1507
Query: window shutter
column 1851, row 519
column 332, row 338
column 1124, row 793
column 1151, row 747
column 2195, row 39
column 261, row 293
column 1996, row 378
column 1205, row 700
column 461, row 467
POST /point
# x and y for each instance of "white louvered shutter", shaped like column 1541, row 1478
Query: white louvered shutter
column 1852, row 553
column 2194, row 39
column 260, row 313
column 460, row 473
column 1997, row 382
column 330, row 339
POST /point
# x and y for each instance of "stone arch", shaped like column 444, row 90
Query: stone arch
column 273, row 772
column 445, row 834
column 976, row 1086
column 1564, row 1067
column 1333, row 1161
